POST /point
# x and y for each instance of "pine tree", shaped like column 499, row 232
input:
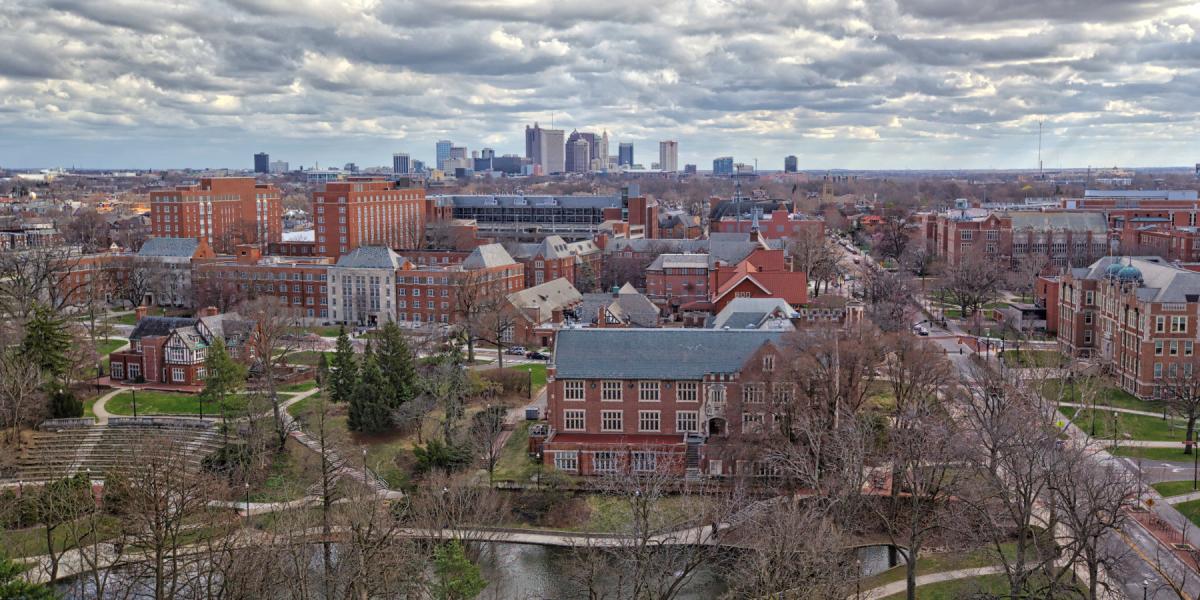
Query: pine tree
column 369, row 412
column 343, row 376
column 396, row 360
column 14, row 586
column 457, row 578
column 47, row 342
column 223, row 377
column 64, row 404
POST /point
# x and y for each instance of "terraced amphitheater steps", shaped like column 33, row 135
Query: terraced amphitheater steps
column 57, row 452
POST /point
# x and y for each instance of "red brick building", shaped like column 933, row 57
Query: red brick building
column 297, row 282
column 1172, row 243
column 223, row 211
column 368, row 212
column 779, row 224
column 172, row 350
column 1066, row 238
column 683, row 401
column 1139, row 316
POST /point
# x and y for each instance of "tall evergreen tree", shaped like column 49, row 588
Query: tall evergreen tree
column 223, row 377
column 369, row 412
column 47, row 342
column 397, row 362
column 343, row 376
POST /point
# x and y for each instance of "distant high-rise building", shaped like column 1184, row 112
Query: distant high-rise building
column 458, row 152
column 443, row 153
column 400, row 163
column 577, row 152
column 723, row 166
column 689, row 169
column 668, row 156
column 377, row 213
column 262, row 163
column 418, row 166
column 625, row 154
column 578, row 157
column 350, row 168
column 790, row 164
column 488, row 153
column 601, row 150
column 279, row 166
column 546, row 148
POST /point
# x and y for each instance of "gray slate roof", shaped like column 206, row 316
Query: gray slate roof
column 654, row 353
column 546, row 297
column 679, row 261
column 747, row 313
column 159, row 326
column 488, row 255
column 1073, row 221
column 371, row 257
column 1161, row 282
column 164, row 247
column 508, row 201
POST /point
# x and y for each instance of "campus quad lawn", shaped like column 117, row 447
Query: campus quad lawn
column 1129, row 427
column 1163, row 454
column 1107, row 395
column 295, row 388
column 1173, row 488
column 539, row 374
column 106, row 347
column 151, row 402
column 1191, row 510
column 1034, row 358
column 307, row 357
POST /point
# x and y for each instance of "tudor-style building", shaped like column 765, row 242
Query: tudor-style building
column 171, row 350
column 682, row 400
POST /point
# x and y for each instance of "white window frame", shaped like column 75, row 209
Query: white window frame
column 567, row 460
column 753, row 393
column 693, row 418
column 649, row 391
column 611, row 390
column 177, row 375
column 753, row 422
column 644, row 419
column 135, row 370
column 604, row 461
column 575, row 419
column 573, row 389
column 607, row 415
column 116, row 371
column 644, row 462
column 687, row 391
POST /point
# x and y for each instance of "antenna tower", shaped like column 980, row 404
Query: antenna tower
column 1041, row 175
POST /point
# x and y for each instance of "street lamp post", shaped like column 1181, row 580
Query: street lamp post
column 247, row 487
column 133, row 392
column 1145, row 588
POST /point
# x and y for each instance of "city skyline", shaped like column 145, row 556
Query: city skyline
column 920, row 85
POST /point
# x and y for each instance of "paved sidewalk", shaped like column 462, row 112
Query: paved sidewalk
column 1128, row 411
column 897, row 587
column 98, row 407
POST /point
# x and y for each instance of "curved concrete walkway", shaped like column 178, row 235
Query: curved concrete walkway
column 897, row 587
column 98, row 407
column 1128, row 411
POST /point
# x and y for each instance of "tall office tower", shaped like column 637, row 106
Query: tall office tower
column 262, row 163
column 400, row 163
column 668, row 156
column 723, row 166
column 625, row 154
column 531, row 140
column 789, row 164
column 601, row 150
column 443, row 153
column 279, row 166
column 365, row 211
column 488, row 153
column 223, row 211
column 577, row 152
column 545, row 149
column 418, row 166
column 458, row 153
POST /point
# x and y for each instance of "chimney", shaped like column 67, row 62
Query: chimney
column 209, row 311
column 616, row 291
column 140, row 312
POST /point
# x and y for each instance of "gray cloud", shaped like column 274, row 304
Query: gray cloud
column 911, row 83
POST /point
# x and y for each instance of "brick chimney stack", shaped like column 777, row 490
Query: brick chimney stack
column 140, row 312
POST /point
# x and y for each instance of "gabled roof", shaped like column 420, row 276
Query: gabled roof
column 679, row 261
column 487, row 256
column 371, row 257
column 164, row 247
column 1048, row 221
column 159, row 326
column 654, row 353
column 543, row 299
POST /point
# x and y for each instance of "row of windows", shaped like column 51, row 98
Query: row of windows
column 647, row 391
column 650, row 421
column 606, row 461
column 1173, row 348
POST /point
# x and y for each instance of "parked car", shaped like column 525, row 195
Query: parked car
column 515, row 350
column 535, row 355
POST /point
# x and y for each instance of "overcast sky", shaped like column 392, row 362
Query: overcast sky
column 855, row 84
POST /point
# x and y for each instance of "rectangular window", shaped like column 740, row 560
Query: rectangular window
column 648, row 391
column 117, row 371
column 573, row 389
column 177, row 375
column 649, row 420
column 687, row 421
column 604, row 462
column 685, row 391
column 611, row 420
column 752, row 422
column 1187, row 348
column 752, row 393
column 782, row 392
column 1160, row 324
column 1179, row 324
column 1157, row 370
column 1089, row 297
column 573, row 419
column 1158, row 347
column 135, row 370
column 644, row 461
column 610, row 390
column 566, row 461
column 768, row 363
column 1174, row 348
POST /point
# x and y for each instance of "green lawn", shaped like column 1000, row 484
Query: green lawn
column 1167, row 454
column 127, row 319
column 325, row 330
column 539, row 374
column 151, row 402
column 16, row 543
column 303, row 386
column 106, row 347
column 1107, row 395
column 992, row 585
column 1034, row 358
column 1173, row 488
column 1127, row 427
column 1191, row 510
column 514, row 462
column 308, row 357
column 292, row 472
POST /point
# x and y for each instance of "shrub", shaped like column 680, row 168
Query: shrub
column 438, row 455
